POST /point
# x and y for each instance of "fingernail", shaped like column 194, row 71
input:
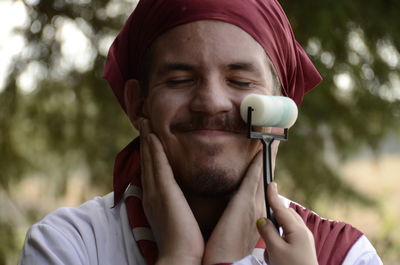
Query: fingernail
column 275, row 186
column 261, row 222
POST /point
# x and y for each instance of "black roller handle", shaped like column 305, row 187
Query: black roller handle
column 266, row 139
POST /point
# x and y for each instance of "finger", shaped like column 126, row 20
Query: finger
column 269, row 233
column 146, row 163
column 162, row 170
column 273, row 198
column 297, row 216
column 283, row 215
column 252, row 179
column 266, row 256
column 145, row 127
column 145, row 157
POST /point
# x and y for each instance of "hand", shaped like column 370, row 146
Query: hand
column 174, row 226
column 235, row 235
column 297, row 246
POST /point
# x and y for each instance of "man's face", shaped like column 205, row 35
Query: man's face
column 199, row 74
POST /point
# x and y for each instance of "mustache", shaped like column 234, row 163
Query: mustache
column 224, row 122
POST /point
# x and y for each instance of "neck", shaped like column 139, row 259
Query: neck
column 207, row 211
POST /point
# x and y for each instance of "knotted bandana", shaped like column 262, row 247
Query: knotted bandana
column 264, row 20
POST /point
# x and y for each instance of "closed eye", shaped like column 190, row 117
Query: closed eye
column 177, row 82
column 242, row 84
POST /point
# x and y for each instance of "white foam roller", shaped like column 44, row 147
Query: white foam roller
column 270, row 111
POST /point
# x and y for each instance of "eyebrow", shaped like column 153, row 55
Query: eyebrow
column 167, row 67
column 242, row 66
column 239, row 66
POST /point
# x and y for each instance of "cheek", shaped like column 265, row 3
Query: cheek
column 162, row 108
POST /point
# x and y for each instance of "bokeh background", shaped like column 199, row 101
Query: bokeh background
column 61, row 127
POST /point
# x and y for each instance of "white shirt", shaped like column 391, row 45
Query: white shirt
column 97, row 234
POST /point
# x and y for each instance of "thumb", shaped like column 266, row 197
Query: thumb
column 269, row 233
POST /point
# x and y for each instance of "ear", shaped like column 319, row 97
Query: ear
column 134, row 101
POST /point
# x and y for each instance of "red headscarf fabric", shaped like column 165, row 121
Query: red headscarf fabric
column 264, row 20
column 333, row 240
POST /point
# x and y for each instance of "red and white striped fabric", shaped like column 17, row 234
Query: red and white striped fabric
column 333, row 239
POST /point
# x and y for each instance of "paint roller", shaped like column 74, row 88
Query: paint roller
column 268, row 111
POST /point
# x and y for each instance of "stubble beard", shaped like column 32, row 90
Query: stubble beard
column 206, row 172
column 208, row 178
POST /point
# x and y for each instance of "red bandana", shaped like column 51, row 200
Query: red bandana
column 264, row 20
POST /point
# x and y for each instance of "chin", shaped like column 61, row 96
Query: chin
column 210, row 181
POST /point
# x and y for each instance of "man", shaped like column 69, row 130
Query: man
column 189, row 189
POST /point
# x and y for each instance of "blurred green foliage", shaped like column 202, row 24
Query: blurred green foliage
column 72, row 121
column 8, row 241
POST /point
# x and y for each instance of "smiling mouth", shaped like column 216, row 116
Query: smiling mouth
column 219, row 125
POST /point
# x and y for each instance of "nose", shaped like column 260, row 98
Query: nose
column 211, row 97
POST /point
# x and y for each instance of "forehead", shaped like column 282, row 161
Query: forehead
column 207, row 41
